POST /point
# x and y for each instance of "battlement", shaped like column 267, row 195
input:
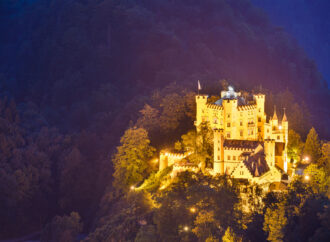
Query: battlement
column 214, row 106
column 247, row 107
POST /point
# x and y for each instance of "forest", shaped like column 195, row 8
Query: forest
column 86, row 86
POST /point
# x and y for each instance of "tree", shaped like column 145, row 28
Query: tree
column 230, row 236
column 312, row 146
column 146, row 233
column 324, row 161
column 295, row 146
column 319, row 181
column 205, row 225
column 131, row 159
column 199, row 143
column 274, row 223
column 62, row 228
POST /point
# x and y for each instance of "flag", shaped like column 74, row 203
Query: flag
column 199, row 86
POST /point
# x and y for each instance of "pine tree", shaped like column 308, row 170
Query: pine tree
column 312, row 146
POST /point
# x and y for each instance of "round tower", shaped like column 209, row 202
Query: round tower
column 218, row 154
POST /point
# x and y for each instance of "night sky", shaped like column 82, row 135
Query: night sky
column 309, row 22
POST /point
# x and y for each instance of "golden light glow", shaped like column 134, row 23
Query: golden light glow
column 193, row 210
column 132, row 188
column 186, row 228
column 280, row 127
column 307, row 177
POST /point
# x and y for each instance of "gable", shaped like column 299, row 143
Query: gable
column 241, row 171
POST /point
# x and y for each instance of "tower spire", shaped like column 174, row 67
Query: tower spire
column 284, row 119
column 274, row 116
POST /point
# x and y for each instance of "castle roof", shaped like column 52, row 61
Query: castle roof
column 257, row 164
column 275, row 116
column 240, row 100
column 241, row 144
column 284, row 119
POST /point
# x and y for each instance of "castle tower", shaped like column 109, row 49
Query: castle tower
column 285, row 128
column 261, row 117
column 218, row 165
column 201, row 101
column 230, row 118
column 163, row 161
column 269, row 149
column 274, row 119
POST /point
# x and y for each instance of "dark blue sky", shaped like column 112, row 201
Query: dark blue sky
column 309, row 22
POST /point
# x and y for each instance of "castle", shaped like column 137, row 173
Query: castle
column 246, row 146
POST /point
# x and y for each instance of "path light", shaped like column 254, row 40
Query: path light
column 280, row 127
column 132, row 188
column 193, row 210
column 306, row 177
column 186, row 228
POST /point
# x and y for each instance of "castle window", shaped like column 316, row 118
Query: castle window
column 228, row 135
column 241, row 123
column 219, row 149
column 278, row 137
column 267, row 130
column 215, row 120
column 218, row 157
column 259, row 119
column 228, row 115
column 234, row 157
column 259, row 110
column 259, row 129
column 228, row 157
column 228, row 125
column 241, row 133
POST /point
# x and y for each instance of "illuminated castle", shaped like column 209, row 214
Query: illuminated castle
column 245, row 145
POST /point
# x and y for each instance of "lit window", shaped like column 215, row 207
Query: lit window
column 228, row 157
column 241, row 123
column 278, row 137
column 228, row 135
column 228, row 125
column 234, row 157
column 259, row 119
column 259, row 129
column 218, row 149
column 241, row 133
column 218, row 157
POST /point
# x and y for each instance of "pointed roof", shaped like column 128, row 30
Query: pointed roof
column 284, row 119
column 257, row 164
column 274, row 116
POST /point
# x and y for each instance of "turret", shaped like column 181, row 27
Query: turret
column 269, row 150
column 163, row 161
column 201, row 101
column 285, row 127
column 274, row 119
column 261, row 117
column 284, row 122
column 218, row 165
